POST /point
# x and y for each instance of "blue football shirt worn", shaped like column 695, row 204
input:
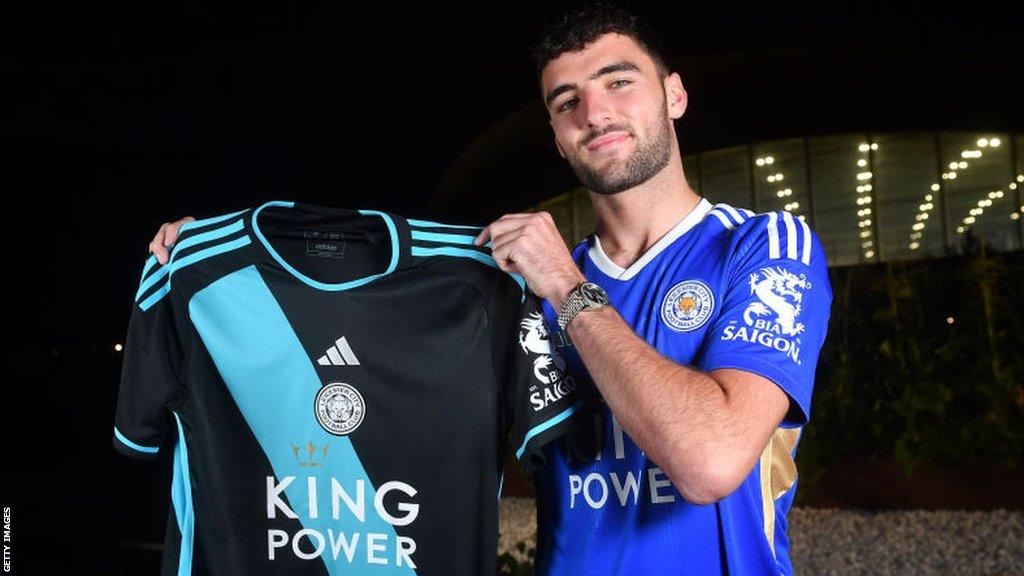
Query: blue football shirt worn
column 725, row 288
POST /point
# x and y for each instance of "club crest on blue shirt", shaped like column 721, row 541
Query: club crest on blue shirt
column 687, row 306
column 339, row 408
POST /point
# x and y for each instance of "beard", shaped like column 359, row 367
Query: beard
column 651, row 156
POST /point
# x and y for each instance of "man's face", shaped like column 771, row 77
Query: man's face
column 610, row 114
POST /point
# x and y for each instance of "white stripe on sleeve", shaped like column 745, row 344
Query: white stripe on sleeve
column 773, row 235
column 790, row 235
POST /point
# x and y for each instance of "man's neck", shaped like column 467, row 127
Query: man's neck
column 630, row 222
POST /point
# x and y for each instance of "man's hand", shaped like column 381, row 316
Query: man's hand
column 165, row 237
column 530, row 245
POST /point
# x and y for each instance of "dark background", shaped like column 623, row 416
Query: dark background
column 118, row 118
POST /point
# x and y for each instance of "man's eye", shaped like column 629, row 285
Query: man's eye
column 620, row 83
column 567, row 105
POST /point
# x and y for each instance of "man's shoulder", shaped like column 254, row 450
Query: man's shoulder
column 776, row 235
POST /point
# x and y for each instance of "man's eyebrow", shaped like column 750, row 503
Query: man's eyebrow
column 623, row 66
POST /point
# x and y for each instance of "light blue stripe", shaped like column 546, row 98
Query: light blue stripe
column 205, row 237
column 155, row 296
column 137, row 447
column 151, row 281
column 453, row 251
column 548, row 424
column 181, row 498
column 274, row 384
column 192, row 258
column 466, row 253
column 209, row 221
column 501, row 485
column 152, row 261
column 429, row 224
column 323, row 285
column 437, row 237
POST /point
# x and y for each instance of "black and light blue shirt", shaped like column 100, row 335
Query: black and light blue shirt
column 338, row 388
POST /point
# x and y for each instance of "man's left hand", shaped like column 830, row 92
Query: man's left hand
column 530, row 245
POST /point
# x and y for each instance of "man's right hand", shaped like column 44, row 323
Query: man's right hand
column 165, row 237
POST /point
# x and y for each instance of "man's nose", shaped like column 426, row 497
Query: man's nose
column 595, row 108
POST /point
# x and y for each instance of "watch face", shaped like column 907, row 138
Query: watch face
column 594, row 293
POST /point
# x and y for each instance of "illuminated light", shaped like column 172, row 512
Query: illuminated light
column 869, row 254
column 918, row 226
column 945, row 176
column 865, row 233
column 999, row 193
column 780, row 193
column 1013, row 185
column 868, row 187
column 962, row 165
column 778, row 177
column 1014, row 216
column 922, row 207
column 959, row 229
column 950, row 320
column 927, row 197
column 862, row 162
column 867, row 199
column 935, row 187
column 1022, row 208
column 864, row 176
column 771, row 178
column 759, row 161
column 929, row 205
column 970, row 220
column 982, row 142
column 118, row 347
column 953, row 165
column 985, row 203
column 924, row 216
column 769, row 160
column 914, row 245
column 860, row 189
column 971, row 154
column 864, row 147
column 874, row 146
column 973, row 212
column 867, row 244
column 995, row 142
column 952, row 175
column 788, row 191
column 1020, row 177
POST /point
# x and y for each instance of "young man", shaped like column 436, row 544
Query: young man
column 697, row 327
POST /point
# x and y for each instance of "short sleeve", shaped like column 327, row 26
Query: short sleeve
column 541, row 398
column 150, row 374
column 775, row 309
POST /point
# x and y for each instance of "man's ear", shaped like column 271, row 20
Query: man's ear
column 675, row 96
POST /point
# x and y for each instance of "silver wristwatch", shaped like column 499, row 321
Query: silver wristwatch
column 586, row 296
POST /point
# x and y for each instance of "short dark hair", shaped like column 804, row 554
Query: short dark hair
column 571, row 30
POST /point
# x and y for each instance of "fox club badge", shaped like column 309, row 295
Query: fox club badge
column 339, row 408
column 687, row 306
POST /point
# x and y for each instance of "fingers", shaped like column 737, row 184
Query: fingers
column 165, row 237
column 509, row 223
column 171, row 235
column 156, row 246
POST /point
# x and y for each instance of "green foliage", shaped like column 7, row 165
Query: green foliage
column 897, row 379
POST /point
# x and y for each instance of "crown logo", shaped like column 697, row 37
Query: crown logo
column 310, row 455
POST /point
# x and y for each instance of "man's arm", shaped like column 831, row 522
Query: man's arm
column 705, row 430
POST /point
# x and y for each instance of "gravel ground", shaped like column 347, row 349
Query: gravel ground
column 830, row 542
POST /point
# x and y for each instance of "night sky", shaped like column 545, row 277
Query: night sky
column 118, row 119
